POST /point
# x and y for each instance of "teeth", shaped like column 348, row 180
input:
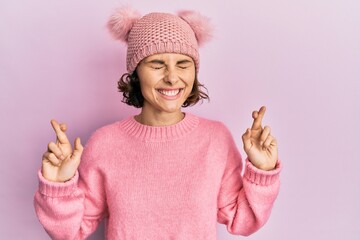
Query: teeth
column 169, row 93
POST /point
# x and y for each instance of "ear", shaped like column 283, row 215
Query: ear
column 121, row 22
column 199, row 24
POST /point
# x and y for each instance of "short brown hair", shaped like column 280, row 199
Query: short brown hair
column 129, row 85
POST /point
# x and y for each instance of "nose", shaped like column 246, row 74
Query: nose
column 171, row 76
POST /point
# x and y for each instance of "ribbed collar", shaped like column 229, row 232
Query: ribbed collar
column 160, row 133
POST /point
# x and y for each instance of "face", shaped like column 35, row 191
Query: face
column 166, row 81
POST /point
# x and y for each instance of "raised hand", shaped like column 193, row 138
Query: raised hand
column 60, row 162
column 260, row 146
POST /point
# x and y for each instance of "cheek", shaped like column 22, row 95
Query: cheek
column 189, row 88
column 146, row 83
column 145, row 89
column 191, row 81
column 189, row 78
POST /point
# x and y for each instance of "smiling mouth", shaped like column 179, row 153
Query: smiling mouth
column 170, row 93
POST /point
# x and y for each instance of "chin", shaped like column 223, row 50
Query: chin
column 172, row 110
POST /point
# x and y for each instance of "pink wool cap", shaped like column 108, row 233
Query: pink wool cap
column 159, row 33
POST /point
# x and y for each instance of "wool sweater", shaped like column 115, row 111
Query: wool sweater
column 159, row 183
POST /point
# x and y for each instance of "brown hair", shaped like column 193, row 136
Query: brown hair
column 129, row 85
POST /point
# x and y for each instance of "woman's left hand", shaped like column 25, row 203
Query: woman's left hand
column 260, row 146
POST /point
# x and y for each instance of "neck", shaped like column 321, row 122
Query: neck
column 151, row 118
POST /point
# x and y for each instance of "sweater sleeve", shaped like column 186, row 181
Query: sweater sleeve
column 245, row 203
column 72, row 210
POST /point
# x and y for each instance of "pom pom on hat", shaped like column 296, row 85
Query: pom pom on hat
column 199, row 24
column 121, row 22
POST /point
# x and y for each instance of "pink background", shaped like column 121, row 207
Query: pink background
column 299, row 58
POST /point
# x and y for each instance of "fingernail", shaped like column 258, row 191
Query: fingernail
column 62, row 157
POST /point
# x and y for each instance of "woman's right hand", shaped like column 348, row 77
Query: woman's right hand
column 60, row 162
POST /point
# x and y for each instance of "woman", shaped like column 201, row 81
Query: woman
column 162, row 174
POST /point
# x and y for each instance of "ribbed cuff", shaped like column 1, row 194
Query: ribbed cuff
column 262, row 177
column 57, row 189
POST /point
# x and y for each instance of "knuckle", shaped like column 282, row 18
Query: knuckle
column 45, row 155
column 52, row 156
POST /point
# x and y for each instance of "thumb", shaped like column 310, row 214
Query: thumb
column 246, row 139
column 78, row 149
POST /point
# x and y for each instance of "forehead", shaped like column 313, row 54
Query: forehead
column 168, row 57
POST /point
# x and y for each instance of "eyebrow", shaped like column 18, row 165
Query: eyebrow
column 183, row 61
column 156, row 61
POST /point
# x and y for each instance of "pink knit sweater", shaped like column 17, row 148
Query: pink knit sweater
column 159, row 183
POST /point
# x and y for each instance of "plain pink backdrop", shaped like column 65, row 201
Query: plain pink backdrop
column 299, row 58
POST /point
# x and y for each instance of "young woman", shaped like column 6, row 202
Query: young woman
column 162, row 174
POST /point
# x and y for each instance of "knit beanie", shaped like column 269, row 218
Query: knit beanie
column 159, row 33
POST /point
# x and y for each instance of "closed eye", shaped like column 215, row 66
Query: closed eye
column 183, row 67
column 156, row 64
column 157, row 67
column 183, row 64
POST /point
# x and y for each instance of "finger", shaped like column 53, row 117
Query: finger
column 50, row 157
column 60, row 135
column 52, row 147
column 246, row 137
column 268, row 142
column 63, row 127
column 78, row 148
column 265, row 133
column 258, row 116
column 273, row 142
